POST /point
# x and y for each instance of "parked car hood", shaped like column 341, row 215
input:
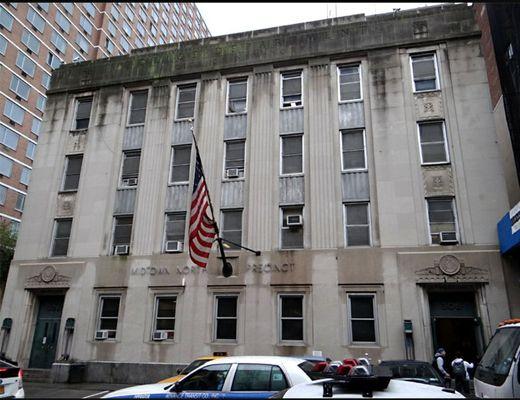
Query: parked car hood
column 141, row 389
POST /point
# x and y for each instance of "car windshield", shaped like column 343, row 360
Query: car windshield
column 193, row 366
column 414, row 371
column 496, row 361
column 307, row 367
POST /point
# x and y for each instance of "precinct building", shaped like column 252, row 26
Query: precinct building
column 357, row 154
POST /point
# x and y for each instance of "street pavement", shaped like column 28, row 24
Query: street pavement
column 69, row 390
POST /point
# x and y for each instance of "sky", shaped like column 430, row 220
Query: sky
column 225, row 18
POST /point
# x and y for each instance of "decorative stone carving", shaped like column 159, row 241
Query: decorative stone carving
column 48, row 277
column 65, row 204
column 438, row 180
column 428, row 105
column 451, row 269
column 76, row 141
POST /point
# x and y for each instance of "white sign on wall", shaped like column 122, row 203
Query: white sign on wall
column 514, row 215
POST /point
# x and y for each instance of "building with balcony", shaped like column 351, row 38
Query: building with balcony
column 357, row 154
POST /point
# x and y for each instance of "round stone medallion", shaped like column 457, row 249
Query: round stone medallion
column 449, row 265
column 48, row 274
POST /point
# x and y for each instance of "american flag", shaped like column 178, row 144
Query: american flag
column 202, row 227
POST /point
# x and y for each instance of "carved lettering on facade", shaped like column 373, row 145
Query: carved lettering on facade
column 151, row 271
column 187, row 269
column 270, row 268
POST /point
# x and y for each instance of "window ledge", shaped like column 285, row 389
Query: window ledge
column 292, row 175
column 222, row 343
column 292, row 344
column 234, row 180
column 436, row 163
column 178, row 183
column 69, row 191
column 134, row 125
column 126, row 187
column 84, row 130
column 291, row 108
column 427, row 91
column 350, row 101
column 237, row 113
column 368, row 345
column 187, row 119
column 346, row 171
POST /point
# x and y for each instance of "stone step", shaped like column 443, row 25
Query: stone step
column 37, row 375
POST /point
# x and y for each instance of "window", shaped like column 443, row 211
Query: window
column 349, row 83
column 110, row 46
column 424, row 71
column 3, row 194
column 433, row 143
column 62, row 229
column 15, row 227
column 29, row 151
column 6, row 166
column 127, row 29
column 6, row 19
column 291, row 89
column 35, row 20
column 62, row 21
column 291, row 154
column 164, row 31
column 36, row 126
column 83, row 108
column 114, row 12
column 40, row 102
column 8, row 137
column 86, row 25
column 180, row 171
column 361, row 317
column 142, row 15
column 140, row 29
column 259, row 378
column 3, row 45
column 161, row 40
column 292, row 227
column 237, row 96
column 138, row 107
column 153, row 30
column 58, row 42
column 165, row 315
column 124, row 44
column 186, row 101
column 357, row 224
column 90, row 9
column 441, row 217
column 14, row 112
column 174, row 227
column 53, row 61
column 44, row 6
column 353, row 149
column 232, row 227
column 290, row 311
column 31, row 41
column 82, row 43
column 150, row 42
column 111, row 28
column 72, row 172
column 208, row 378
column 138, row 43
column 155, row 17
column 46, row 80
column 20, row 202
column 25, row 176
column 129, row 13
column 122, row 231
column 130, row 169
column 25, row 64
column 69, row 7
column 226, row 317
column 234, row 160
column 108, row 314
column 21, row 88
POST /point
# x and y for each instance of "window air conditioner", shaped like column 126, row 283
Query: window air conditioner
column 173, row 246
column 130, row 182
column 101, row 335
column 122, row 250
column 232, row 173
column 448, row 237
column 294, row 220
column 160, row 335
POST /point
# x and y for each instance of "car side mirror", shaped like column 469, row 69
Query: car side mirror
column 176, row 388
column 178, row 371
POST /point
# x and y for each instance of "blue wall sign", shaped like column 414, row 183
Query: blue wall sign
column 509, row 230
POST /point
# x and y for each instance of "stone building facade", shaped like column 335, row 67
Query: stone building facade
column 340, row 149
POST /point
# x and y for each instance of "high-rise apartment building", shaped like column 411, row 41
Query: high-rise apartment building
column 36, row 38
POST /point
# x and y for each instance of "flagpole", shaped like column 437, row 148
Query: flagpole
column 227, row 268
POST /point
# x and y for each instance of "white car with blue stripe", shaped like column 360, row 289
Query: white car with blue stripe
column 244, row 377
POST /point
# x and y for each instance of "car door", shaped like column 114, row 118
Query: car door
column 207, row 382
column 256, row 381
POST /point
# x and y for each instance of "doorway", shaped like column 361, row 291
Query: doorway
column 456, row 325
column 46, row 332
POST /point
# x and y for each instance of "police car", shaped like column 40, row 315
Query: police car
column 10, row 380
column 252, row 377
column 362, row 382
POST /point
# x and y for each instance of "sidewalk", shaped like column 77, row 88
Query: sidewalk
column 69, row 390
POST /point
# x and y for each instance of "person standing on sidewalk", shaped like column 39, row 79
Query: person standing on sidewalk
column 439, row 365
column 459, row 368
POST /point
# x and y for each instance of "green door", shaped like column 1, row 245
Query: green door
column 46, row 332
